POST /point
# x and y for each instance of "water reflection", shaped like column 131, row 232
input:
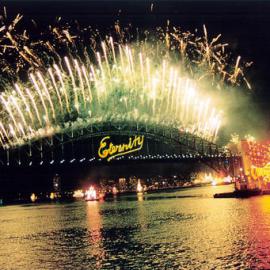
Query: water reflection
column 142, row 212
column 140, row 196
column 182, row 230
column 259, row 232
column 94, row 226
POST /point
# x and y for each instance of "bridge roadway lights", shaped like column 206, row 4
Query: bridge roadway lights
column 214, row 162
column 145, row 157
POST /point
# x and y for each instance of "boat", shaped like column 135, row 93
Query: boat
column 91, row 194
column 239, row 193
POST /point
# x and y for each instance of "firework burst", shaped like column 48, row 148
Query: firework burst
column 90, row 79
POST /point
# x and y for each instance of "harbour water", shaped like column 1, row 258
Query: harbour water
column 186, row 229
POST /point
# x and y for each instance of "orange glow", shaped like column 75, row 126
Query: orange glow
column 214, row 180
column 101, row 196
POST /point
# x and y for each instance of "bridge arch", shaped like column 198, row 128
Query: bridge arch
column 63, row 147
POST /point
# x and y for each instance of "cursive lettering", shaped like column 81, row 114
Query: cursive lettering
column 109, row 150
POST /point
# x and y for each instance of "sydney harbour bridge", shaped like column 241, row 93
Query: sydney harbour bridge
column 61, row 115
column 80, row 146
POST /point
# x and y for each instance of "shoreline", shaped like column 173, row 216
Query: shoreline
column 67, row 197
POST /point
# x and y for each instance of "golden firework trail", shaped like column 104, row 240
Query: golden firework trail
column 112, row 90
column 154, row 80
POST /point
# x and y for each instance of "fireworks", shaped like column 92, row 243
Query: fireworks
column 153, row 81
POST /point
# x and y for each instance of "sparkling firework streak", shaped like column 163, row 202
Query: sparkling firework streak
column 156, row 80
column 123, row 86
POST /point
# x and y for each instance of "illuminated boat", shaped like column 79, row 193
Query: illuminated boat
column 91, row 194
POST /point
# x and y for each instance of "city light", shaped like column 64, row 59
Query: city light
column 33, row 197
column 78, row 193
column 114, row 190
column 139, row 187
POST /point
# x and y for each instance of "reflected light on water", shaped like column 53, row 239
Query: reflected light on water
column 259, row 232
column 185, row 229
column 140, row 196
column 94, row 226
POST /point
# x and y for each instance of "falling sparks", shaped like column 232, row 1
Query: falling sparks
column 113, row 91
column 151, row 80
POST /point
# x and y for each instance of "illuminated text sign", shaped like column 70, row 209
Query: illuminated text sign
column 109, row 150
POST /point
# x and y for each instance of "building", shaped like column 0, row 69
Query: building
column 255, row 173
